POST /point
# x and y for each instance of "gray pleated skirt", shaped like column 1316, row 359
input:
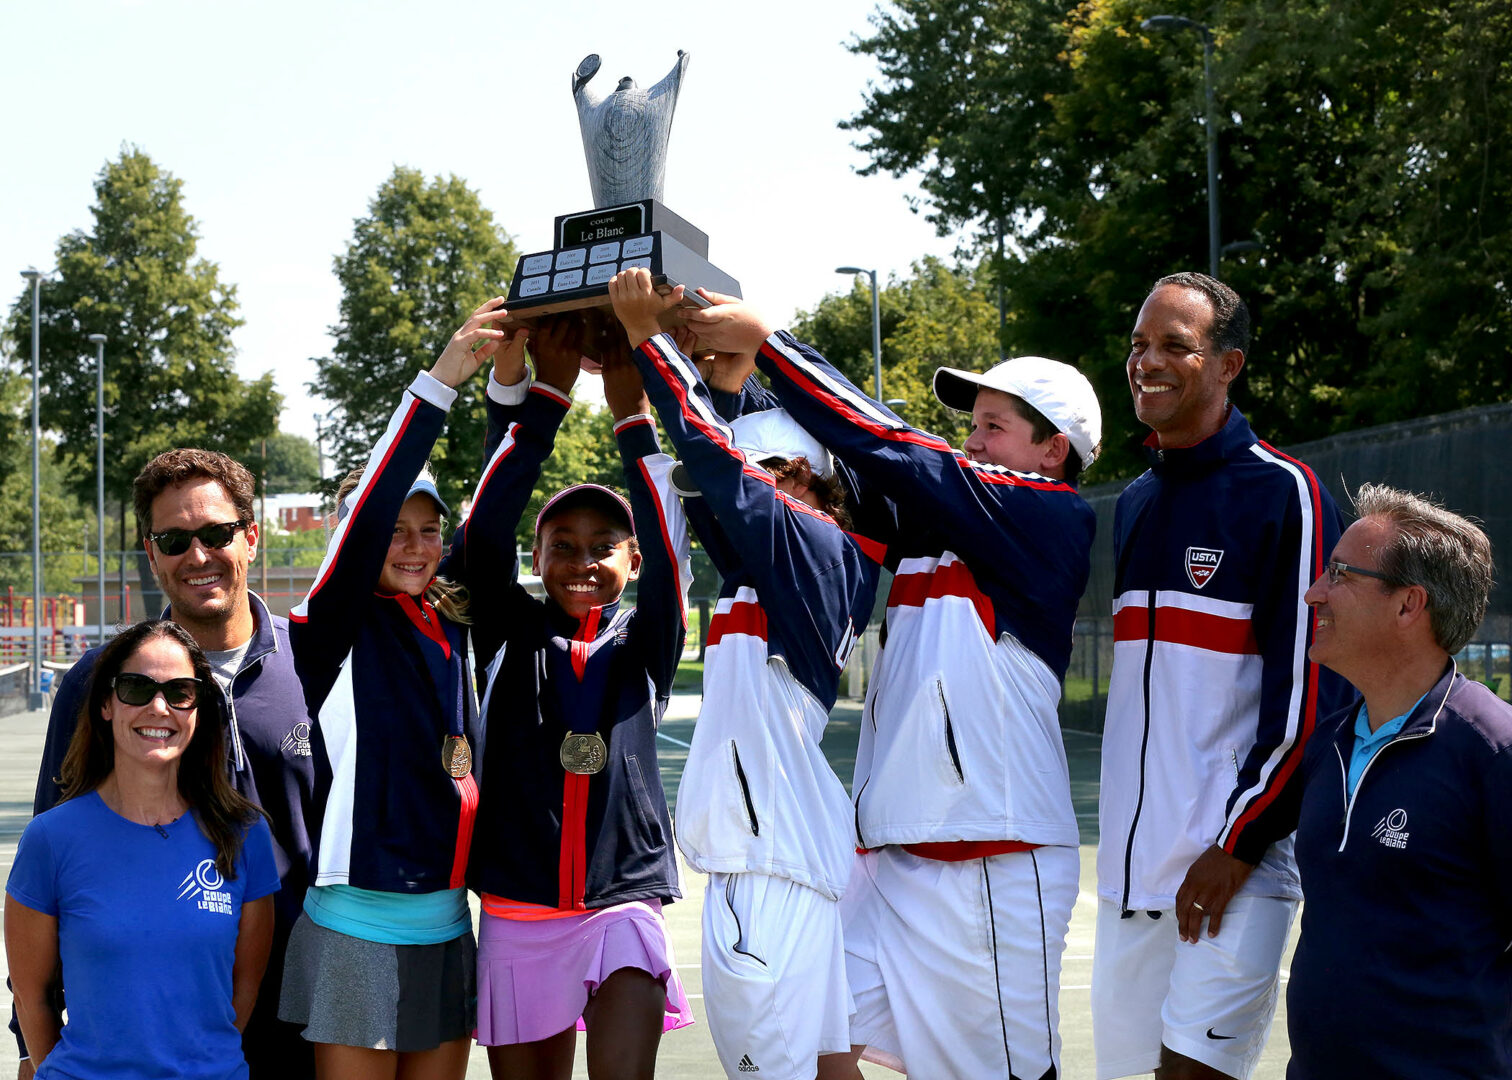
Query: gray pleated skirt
column 349, row 992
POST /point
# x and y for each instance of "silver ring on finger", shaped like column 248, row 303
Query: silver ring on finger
column 1199, row 907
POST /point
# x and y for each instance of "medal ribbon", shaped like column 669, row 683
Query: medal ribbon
column 572, row 862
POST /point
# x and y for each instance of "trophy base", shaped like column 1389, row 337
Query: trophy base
column 595, row 245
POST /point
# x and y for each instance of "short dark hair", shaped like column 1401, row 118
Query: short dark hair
column 203, row 779
column 174, row 467
column 1041, row 429
column 1448, row 555
column 1231, row 318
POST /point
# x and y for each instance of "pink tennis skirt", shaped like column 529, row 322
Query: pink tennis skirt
column 535, row 977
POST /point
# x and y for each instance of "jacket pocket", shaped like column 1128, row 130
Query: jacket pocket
column 951, row 750
column 745, row 790
column 645, row 809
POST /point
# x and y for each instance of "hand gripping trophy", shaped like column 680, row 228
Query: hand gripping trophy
column 625, row 138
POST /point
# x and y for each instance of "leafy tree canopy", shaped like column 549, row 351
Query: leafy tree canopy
column 425, row 256
column 1361, row 147
column 169, row 373
column 291, row 464
column 938, row 317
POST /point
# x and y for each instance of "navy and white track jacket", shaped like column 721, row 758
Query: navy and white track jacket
column 757, row 794
column 961, row 740
column 386, row 680
column 1403, row 968
column 544, row 835
column 1212, row 696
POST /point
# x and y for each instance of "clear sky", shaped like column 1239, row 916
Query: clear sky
column 283, row 118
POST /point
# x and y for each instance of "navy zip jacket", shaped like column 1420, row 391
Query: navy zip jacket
column 1212, row 696
column 387, row 680
column 544, row 835
column 1402, row 968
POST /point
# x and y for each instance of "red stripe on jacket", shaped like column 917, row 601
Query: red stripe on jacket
column 357, row 509
column 953, row 579
column 1309, row 718
column 744, row 618
column 1180, row 626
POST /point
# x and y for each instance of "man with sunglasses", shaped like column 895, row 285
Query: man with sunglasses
column 1211, row 701
column 1402, row 968
column 194, row 509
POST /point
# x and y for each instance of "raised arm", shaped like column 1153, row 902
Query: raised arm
column 354, row 558
column 523, row 419
column 661, row 592
column 815, row 582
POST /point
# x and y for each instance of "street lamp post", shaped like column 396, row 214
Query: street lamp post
column 1179, row 22
column 99, row 342
column 35, row 697
column 876, row 323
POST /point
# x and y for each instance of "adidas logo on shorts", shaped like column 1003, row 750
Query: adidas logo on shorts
column 747, row 1065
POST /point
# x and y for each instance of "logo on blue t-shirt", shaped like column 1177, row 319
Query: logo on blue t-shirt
column 203, row 886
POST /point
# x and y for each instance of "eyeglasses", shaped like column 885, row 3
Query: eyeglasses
column 177, row 541
column 134, row 689
column 1337, row 570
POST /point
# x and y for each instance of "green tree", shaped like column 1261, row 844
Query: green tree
column 425, row 256
column 291, row 464
column 1361, row 146
column 169, row 373
column 938, row 317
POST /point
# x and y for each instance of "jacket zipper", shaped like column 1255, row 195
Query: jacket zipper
column 745, row 790
column 1349, row 800
column 950, row 743
column 1144, row 748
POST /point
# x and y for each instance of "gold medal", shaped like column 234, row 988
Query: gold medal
column 584, row 754
column 456, row 756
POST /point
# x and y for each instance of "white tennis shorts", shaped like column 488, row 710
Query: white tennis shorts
column 955, row 966
column 1212, row 1001
column 773, row 977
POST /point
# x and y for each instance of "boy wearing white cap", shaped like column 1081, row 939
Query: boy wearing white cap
column 956, row 915
column 759, row 809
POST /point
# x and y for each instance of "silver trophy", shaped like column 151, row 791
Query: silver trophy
column 625, row 134
column 625, row 142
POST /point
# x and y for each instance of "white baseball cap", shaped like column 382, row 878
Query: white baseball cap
column 1060, row 392
column 772, row 433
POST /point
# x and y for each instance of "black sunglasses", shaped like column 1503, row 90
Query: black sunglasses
column 177, row 541
column 135, row 689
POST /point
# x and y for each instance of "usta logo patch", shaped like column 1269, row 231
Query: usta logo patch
column 1202, row 564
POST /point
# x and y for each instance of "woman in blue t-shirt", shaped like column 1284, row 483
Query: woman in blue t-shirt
column 151, row 883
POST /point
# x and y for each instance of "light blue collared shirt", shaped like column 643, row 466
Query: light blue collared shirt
column 1368, row 743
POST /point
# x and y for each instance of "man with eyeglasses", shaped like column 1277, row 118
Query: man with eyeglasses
column 1211, row 701
column 1402, row 968
column 195, row 510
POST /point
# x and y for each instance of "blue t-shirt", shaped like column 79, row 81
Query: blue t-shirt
column 147, row 933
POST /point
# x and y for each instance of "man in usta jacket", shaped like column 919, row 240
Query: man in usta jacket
column 956, row 913
column 1402, row 969
column 195, row 510
column 1211, row 701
